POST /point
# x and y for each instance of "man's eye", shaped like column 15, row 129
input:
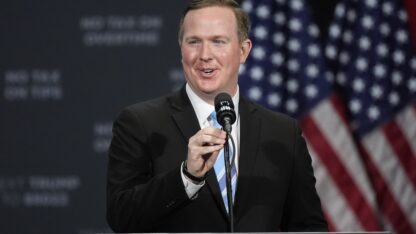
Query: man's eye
column 193, row 42
column 219, row 41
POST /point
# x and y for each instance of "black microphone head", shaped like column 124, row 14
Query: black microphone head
column 224, row 107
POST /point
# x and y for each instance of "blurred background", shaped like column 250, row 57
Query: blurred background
column 346, row 69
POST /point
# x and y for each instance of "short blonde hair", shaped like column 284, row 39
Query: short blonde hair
column 243, row 22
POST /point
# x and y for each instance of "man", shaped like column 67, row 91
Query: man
column 161, row 175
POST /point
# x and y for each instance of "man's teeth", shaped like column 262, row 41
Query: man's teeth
column 207, row 70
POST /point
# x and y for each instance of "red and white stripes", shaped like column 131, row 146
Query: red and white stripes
column 368, row 183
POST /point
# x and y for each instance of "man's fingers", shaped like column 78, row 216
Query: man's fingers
column 211, row 140
column 203, row 149
column 208, row 136
column 216, row 132
column 210, row 149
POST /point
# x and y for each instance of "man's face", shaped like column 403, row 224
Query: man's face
column 211, row 51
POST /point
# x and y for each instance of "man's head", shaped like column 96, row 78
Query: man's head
column 243, row 21
column 214, row 42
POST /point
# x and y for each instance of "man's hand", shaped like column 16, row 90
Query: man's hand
column 203, row 149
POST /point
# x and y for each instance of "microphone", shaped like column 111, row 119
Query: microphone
column 224, row 107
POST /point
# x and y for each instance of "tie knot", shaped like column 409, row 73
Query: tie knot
column 213, row 117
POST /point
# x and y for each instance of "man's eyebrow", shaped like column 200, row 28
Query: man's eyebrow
column 192, row 38
column 215, row 37
column 221, row 37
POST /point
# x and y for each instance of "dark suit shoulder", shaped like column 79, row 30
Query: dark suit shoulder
column 166, row 104
column 140, row 118
column 157, row 115
column 152, row 105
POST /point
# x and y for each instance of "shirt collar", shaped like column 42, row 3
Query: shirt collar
column 204, row 109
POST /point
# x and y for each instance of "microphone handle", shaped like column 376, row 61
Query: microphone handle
column 227, row 125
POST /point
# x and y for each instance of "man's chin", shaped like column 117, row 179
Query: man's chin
column 209, row 90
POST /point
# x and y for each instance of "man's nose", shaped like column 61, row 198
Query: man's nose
column 206, row 53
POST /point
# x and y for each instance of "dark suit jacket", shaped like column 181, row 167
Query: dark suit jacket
column 145, row 192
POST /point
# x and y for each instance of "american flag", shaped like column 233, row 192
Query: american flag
column 354, row 96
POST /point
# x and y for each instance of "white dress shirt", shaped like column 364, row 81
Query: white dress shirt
column 203, row 110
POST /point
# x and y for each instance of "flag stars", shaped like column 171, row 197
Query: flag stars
column 256, row 73
column 311, row 91
column 259, row 53
column 371, row 3
column 313, row 30
column 384, row 29
column 242, row 69
column 313, row 50
column 277, row 59
column 358, row 85
column 278, row 38
column 260, row 32
column 361, row 64
column 347, row 37
column 387, row 8
column 295, row 25
column 255, row 93
column 335, row 31
column 355, row 106
column 331, row 52
column 412, row 85
column 394, row 98
column 294, row 45
column 312, row 71
column 293, row 65
column 351, row 15
column 329, row 76
column 376, row 92
column 292, row 105
column 367, row 22
column 247, row 6
column 292, row 85
column 365, row 43
column 401, row 36
column 341, row 78
column 413, row 63
column 296, row 5
column 275, row 79
column 398, row 57
column 340, row 10
column 402, row 15
column 262, row 11
column 373, row 113
column 344, row 57
column 368, row 55
column 279, row 18
column 273, row 99
column 382, row 50
column 379, row 71
column 397, row 78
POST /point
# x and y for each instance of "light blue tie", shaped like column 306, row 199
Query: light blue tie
column 220, row 167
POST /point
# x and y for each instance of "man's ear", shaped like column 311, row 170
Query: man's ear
column 245, row 50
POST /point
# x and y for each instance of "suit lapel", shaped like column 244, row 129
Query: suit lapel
column 249, row 144
column 184, row 116
column 187, row 122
